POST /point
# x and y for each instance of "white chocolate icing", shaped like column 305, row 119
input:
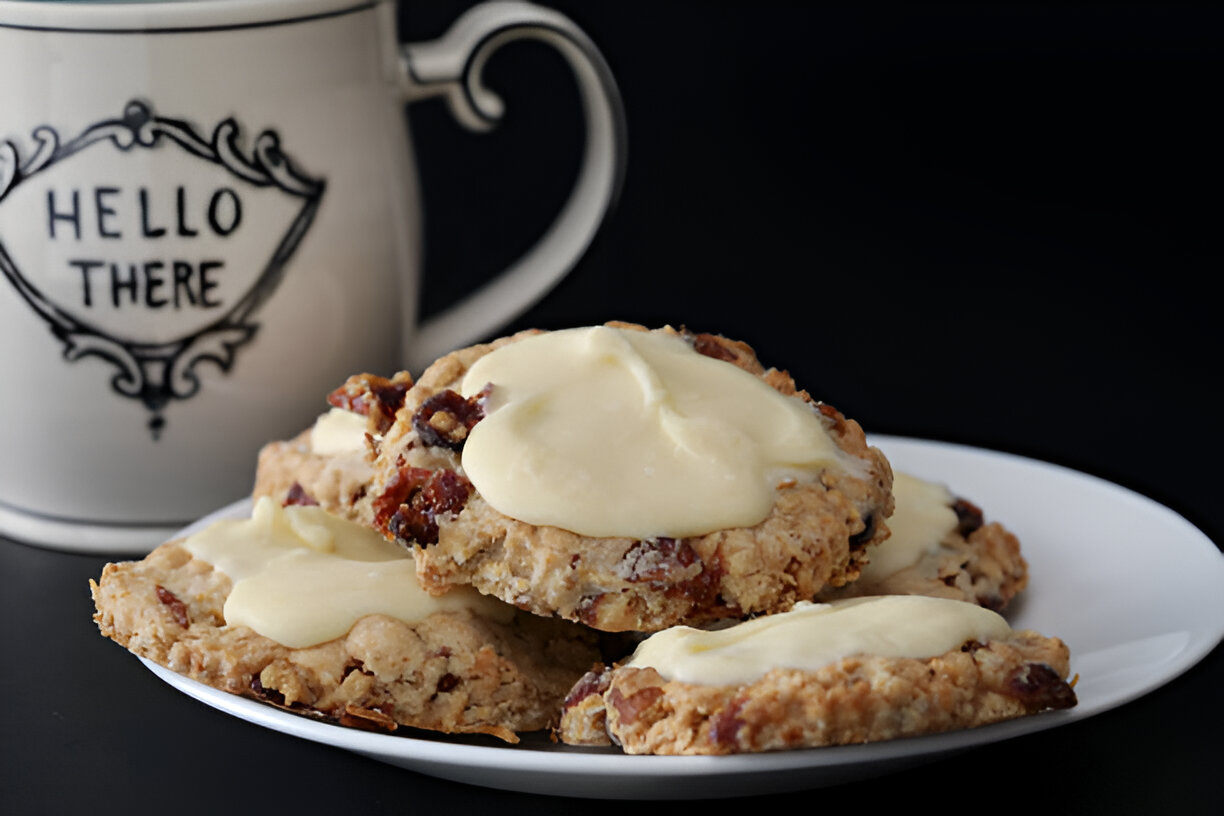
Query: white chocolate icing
column 613, row 432
column 338, row 432
column 303, row 576
column 923, row 516
column 812, row 636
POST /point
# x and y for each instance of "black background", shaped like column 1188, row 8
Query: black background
column 995, row 224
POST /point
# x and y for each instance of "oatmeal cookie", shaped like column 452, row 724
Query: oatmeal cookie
column 969, row 560
column 855, row 699
column 454, row 671
column 291, row 472
column 331, row 464
column 814, row 536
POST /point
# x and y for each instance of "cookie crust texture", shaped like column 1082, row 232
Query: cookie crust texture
column 290, row 472
column 855, row 700
column 452, row 672
column 814, row 537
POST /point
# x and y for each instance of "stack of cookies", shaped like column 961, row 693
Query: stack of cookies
column 629, row 537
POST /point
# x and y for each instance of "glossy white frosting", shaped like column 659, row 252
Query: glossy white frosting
column 303, row 576
column 338, row 432
column 812, row 636
column 614, row 432
column 922, row 518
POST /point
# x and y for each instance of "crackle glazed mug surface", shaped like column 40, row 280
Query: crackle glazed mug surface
column 209, row 218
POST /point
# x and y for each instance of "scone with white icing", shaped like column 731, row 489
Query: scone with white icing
column 858, row 670
column 303, row 609
column 331, row 463
column 627, row 479
column 940, row 546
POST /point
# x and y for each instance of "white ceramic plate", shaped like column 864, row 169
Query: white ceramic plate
column 1154, row 582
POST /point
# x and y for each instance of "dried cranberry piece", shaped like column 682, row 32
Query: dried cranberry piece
column 446, row 492
column 271, row 695
column 710, row 345
column 399, row 489
column 413, row 525
column 593, row 682
column 630, row 708
column 373, row 396
column 1039, row 687
column 968, row 516
column 587, row 610
column 703, row 590
column 177, row 608
column 445, row 419
column 298, row 497
column 992, row 602
column 415, row 498
column 726, row 724
column 656, row 559
column 664, row 562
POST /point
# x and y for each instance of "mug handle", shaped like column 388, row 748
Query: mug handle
column 452, row 66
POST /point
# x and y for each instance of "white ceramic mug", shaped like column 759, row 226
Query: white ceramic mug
column 209, row 218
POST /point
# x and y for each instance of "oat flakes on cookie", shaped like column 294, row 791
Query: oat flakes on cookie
column 859, row 670
column 331, row 463
column 940, row 546
column 302, row 609
column 627, row 479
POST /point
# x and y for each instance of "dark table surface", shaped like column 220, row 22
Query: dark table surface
column 995, row 225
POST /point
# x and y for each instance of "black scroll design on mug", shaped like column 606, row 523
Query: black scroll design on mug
column 157, row 373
